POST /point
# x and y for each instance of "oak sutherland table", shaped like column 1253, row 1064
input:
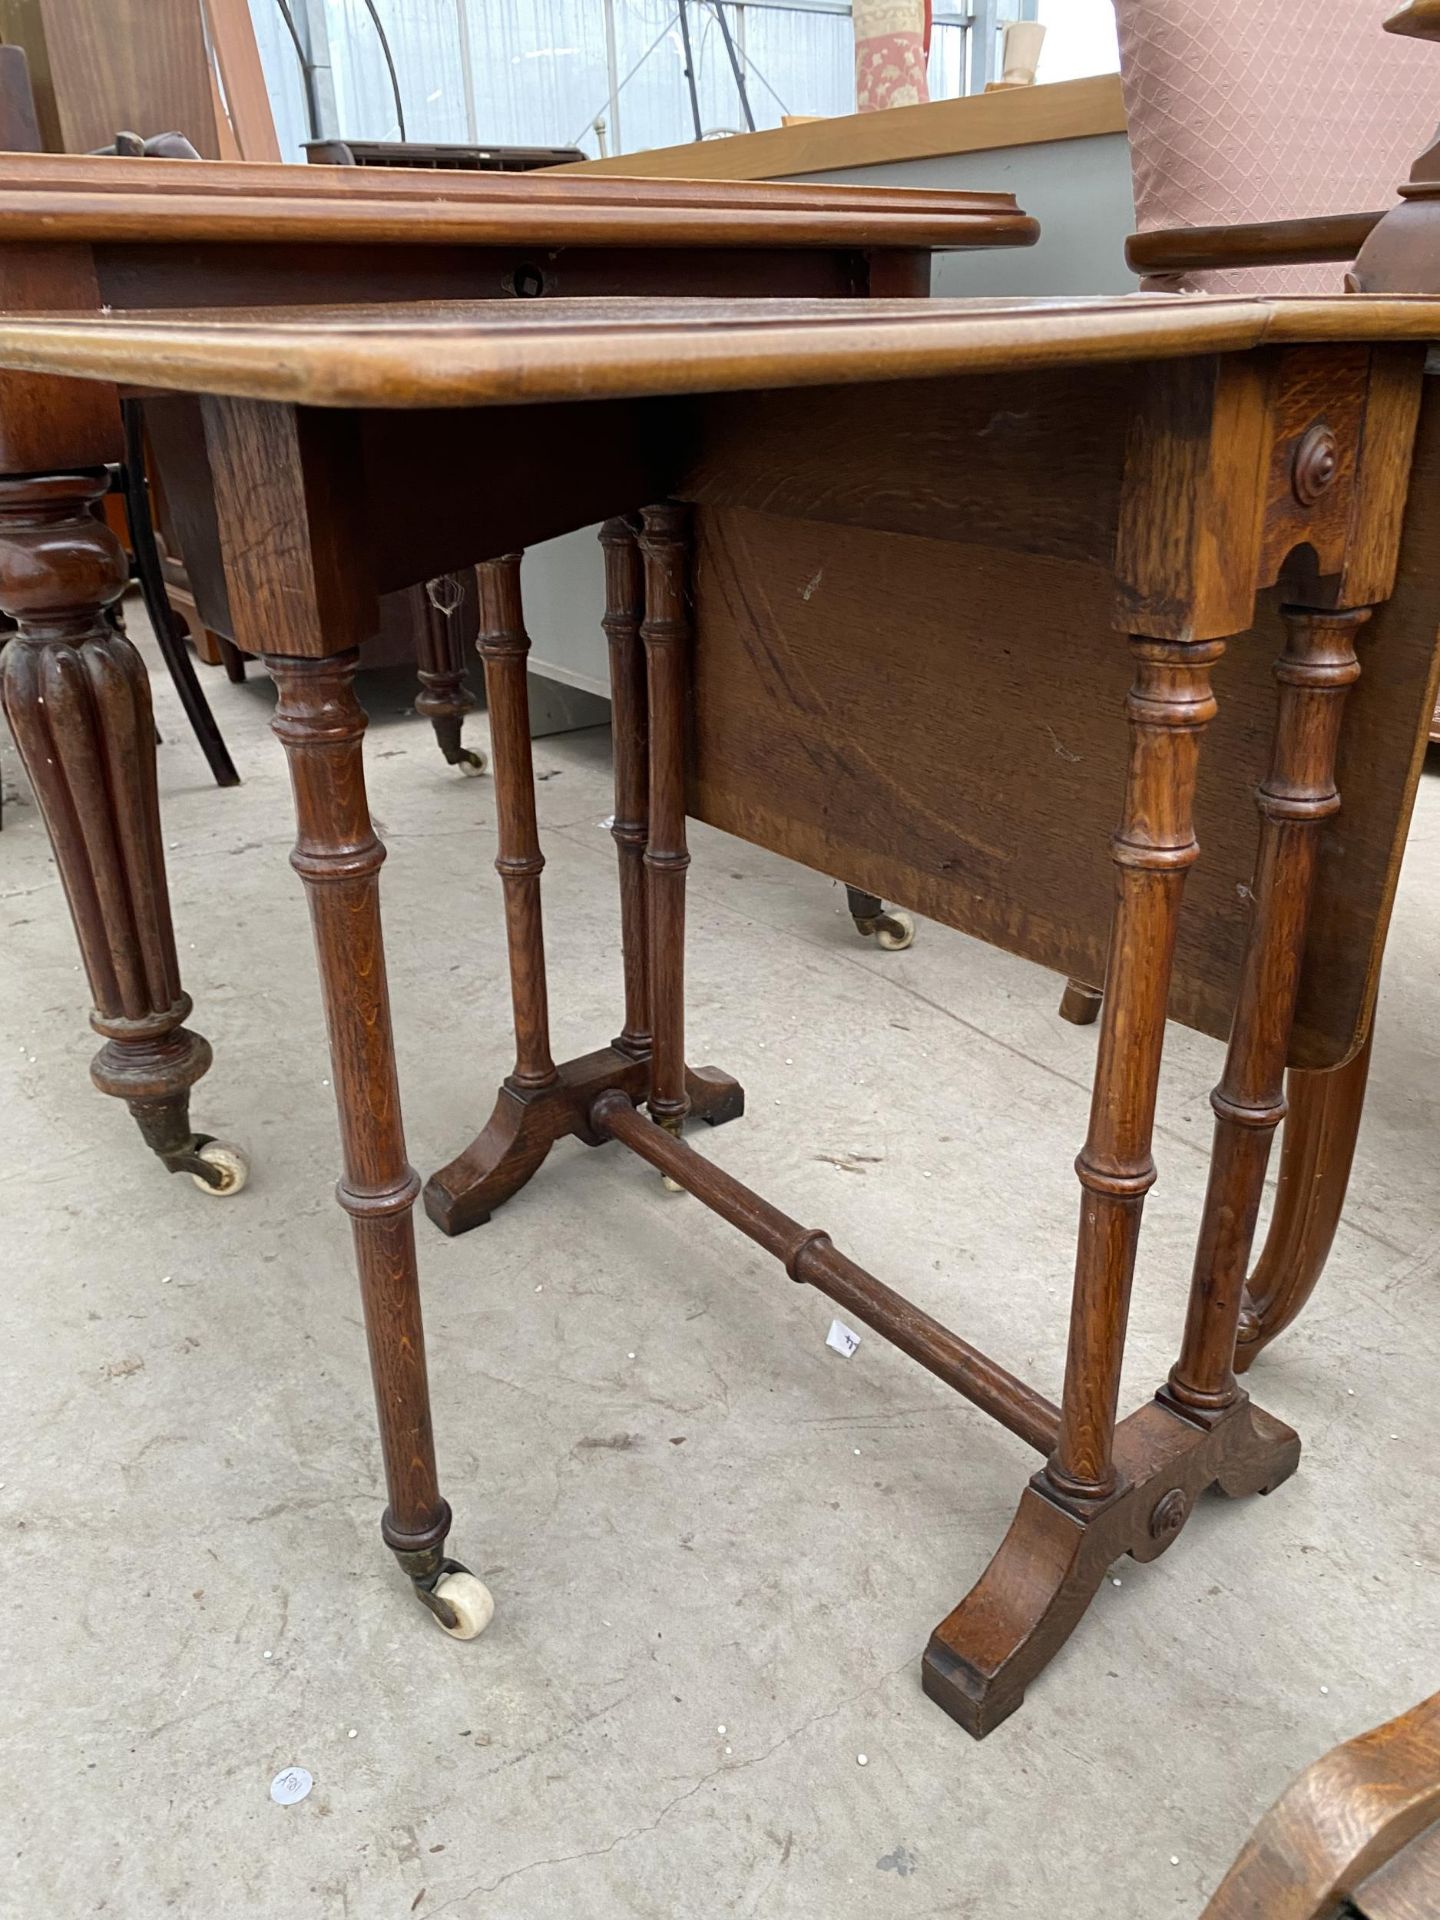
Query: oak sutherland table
column 79, row 233
column 891, row 566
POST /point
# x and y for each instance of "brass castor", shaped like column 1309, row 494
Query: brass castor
column 893, row 928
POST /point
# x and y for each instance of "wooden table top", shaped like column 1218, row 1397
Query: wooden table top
column 111, row 200
column 453, row 353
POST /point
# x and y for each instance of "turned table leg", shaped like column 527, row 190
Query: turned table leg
column 629, row 728
column 540, row 1103
column 1170, row 704
column 666, row 636
column 338, row 857
column 77, row 698
column 444, row 699
column 1298, row 795
column 504, row 647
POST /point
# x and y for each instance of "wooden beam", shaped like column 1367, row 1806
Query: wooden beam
column 980, row 123
column 242, row 79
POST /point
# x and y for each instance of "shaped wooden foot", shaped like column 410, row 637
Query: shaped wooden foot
column 445, row 610
column 1050, row 1564
column 527, row 1122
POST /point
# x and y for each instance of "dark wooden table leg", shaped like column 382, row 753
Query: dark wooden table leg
column 77, row 697
column 665, row 632
column 630, row 735
column 441, row 644
column 338, row 857
column 505, row 647
column 675, row 1090
column 1297, row 796
column 536, row 1105
column 714, row 1096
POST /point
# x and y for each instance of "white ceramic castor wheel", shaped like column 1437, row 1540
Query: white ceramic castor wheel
column 670, row 1186
column 895, row 930
column 472, row 763
column 470, row 1600
column 230, row 1162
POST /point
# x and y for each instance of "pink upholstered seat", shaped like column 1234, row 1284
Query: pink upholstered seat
column 1246, row 110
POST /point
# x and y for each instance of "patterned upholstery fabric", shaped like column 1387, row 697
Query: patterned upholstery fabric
column 890, row 54
column 1246, row 110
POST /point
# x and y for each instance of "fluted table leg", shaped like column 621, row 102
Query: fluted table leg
column 77, row 698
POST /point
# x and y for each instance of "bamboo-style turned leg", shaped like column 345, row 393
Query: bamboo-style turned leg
column 1298, row 795
column 77, row 697
column 1105, row 1492
column 338, row 857
column 540, row 1103
column 665, row 632
column 624, row 608
column 1169, row 706
column 504, row 647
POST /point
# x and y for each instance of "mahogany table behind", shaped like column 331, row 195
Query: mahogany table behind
column 993, row 494
column 80, row 234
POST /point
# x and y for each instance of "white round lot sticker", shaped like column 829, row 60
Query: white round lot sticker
column 291, row 1785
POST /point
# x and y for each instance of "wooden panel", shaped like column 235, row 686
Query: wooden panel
column 252, row 125
column 101, row 67
column 979, row 123
column 47, row 424
column 446, row 489
column 287, row 497
column 1188, row 539
column 904, row 457
column 278, row 275
column 176, row 432
column 944, row 724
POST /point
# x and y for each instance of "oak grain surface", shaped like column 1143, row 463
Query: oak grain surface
column 450, row 353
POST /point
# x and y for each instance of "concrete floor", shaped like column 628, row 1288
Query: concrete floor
column 716, row 1547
